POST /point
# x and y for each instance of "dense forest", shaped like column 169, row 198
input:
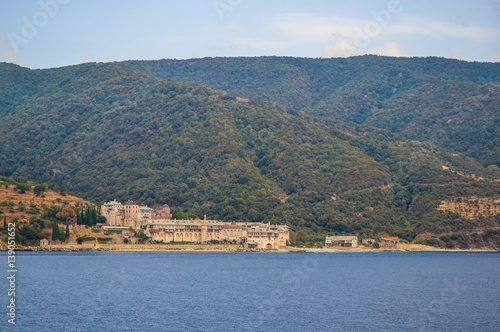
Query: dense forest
column 109, row 131
column 450, row 103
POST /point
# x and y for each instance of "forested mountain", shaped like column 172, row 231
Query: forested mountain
column 112, row 131
column 450, row 103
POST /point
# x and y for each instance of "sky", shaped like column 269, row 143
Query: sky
column 55, row 33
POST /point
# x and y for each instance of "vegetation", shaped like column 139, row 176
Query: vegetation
column 450, row 103
column 81, row 239
column 106, row 131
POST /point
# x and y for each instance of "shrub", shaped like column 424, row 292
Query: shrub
column 81, row 239
column 103, row 239
column 23, row 187
column 376, row 245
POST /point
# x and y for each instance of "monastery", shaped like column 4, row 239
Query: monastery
column 159, row 226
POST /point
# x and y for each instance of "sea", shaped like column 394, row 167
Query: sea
column 174, row 291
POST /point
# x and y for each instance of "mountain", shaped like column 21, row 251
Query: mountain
column 450, row 103
column 110, row 131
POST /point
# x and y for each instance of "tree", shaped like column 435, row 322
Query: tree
column 67, row 216
column 142, row 236
column 39, row 188
column 79, row 217
column 376, row 245
column 301, row 235
column 55, row 231
column 5, row 222
column 28, row 232
column 23, row 187
column 67, row 233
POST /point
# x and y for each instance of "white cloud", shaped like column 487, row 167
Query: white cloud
column 313, row 28
column 340, row 46
column 7, row 53
column 457, row 56
column 389, row 49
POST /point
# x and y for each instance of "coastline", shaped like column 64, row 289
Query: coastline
column 231, row 248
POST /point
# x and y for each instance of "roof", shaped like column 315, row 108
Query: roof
column 390, row 238
column 342, row 238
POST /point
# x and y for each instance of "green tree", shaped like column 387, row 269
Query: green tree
column 301, row 235
column 55, row 231
column 67, row 233
column 62, row 235
column 39, row 188
column 28, row 232
column 376, row 245
column 142, row 236
column 23, row 187
column 79, row 217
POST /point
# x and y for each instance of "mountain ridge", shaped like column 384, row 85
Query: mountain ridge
column 443, row 101
column 110, row 131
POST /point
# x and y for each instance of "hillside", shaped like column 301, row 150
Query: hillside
column 15, row 204
column 111, row 131
column 450, row 103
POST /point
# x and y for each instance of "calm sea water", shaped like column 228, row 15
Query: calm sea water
column 255, row 292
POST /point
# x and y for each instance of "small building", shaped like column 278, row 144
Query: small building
column 44, row 243
column 368, row 241
column 389, row 242
column 341, row 241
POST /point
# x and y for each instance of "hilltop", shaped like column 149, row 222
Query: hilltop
column 112, row 131
column 450, row 103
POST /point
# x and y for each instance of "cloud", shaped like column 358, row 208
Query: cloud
column 7, row 54
column 314, row 28
column 389, row 49
column 341, row 46
column 457, row 56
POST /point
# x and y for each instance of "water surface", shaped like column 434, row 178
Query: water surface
column 106, row 291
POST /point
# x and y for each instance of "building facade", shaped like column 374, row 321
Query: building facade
column 114, row 212
column 159, row 226
column 389, row 242
column 341, row 241
column 260, row 235
column 128, row 215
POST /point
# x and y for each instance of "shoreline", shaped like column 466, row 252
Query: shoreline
column 230, row 248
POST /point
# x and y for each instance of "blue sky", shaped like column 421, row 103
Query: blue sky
column 54, row 33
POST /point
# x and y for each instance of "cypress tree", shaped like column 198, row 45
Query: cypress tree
column 94, row 216
column 67, row 233
column 88, row 217
column 5, row 222
column 55, row 231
